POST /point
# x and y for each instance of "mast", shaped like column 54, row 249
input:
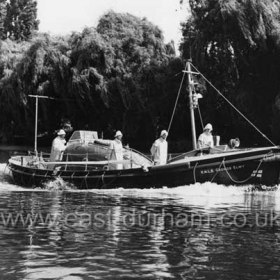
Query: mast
column 36, row 119
column 190, row 84
column 36, row 127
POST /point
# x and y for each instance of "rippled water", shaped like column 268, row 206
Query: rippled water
column 202, row 231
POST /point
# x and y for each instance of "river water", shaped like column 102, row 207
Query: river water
column 202, row 231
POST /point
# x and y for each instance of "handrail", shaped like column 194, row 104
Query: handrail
column 99, row 162
column 139, row 153
column 146, row 156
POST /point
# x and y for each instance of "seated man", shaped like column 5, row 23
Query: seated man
column 205, row 139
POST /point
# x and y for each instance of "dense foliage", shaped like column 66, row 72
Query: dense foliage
column 18, row 19
column 3, row 12
column 119, row 75
column 237, row 44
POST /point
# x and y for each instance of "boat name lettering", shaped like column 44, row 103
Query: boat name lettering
column 212, row 170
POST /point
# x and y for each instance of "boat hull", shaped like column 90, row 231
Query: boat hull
column 259, row 166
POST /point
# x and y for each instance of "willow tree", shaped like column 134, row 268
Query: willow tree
column 12, row 99
column 236, row 44
column 117, row 70
column 41, row 67
column 88, row 85
column 21, row 19
column 119, row 75
column 137, row 63
column 3, row 13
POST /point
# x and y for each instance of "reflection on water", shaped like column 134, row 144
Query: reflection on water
column 203, row 231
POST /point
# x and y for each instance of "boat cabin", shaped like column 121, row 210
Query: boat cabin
column 83, row 136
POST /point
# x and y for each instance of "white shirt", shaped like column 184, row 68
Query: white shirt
column 159, row 151
column 205, row 140
column 117, row 152
column 58, row 146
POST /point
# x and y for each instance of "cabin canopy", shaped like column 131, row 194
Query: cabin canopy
column 83, row 136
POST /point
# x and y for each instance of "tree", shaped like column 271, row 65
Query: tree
column 109, row 65
column 21, row 19
column 3, row 12
column 119, row 75
column 139, row 51
column 236, row 44
column 11, row 97
column 40, row 66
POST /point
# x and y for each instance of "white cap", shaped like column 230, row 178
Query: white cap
column 164, row 132
column 208, row 126
column 118, row 133
column 61, row 132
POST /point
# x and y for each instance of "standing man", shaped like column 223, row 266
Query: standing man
column 117, row 150
column 159, row 149
column 58, row 147
column 205, row 139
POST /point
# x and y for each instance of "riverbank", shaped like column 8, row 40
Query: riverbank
column 6, row 151
column 15, row 148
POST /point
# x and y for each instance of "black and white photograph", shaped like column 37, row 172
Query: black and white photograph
column 140, row 139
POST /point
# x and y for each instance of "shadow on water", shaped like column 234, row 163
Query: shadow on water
column 201, row 231
column 142, row 235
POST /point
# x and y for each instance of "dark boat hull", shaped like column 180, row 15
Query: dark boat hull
column 258, row 166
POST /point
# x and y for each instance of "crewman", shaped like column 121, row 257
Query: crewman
column 205, row 139
column 159, row 149
column 58, row 147
column 117, row 150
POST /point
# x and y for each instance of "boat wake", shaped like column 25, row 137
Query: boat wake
column 58, row 185
column 6, row 181
column 205, row 189
column 210, row 194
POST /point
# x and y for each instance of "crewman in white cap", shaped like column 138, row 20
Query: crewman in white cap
column 159, row 149
column 58, row 147
column 117, row 150
column 205, row 139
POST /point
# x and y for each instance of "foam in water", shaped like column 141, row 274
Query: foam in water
column 58, row 185
column 6, row 180
column 7, row 183
column 206, row 194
